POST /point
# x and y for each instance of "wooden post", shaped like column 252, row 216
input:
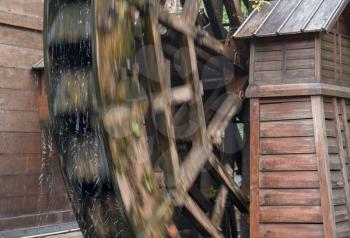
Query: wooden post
column 323, row 165
column 254, row 167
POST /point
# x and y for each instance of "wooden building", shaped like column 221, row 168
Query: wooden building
column 300, row 111
column 31, row 194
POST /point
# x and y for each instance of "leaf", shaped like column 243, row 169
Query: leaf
column 148, row 185
column 136, row 129
column 257, row 4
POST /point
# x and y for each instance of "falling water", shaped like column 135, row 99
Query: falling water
column 46, row 180
column 74, row 127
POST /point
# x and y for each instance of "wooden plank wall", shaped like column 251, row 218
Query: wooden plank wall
column 335, row 54
column 22, row 13
column 300, row 169
column 26, row 197
column 286, row 191
column 284, row 60
column 335, row 66
column 337, row 112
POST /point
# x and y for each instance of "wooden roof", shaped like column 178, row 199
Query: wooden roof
column 292, row 17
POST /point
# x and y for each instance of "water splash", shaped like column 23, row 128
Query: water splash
column 74, row 126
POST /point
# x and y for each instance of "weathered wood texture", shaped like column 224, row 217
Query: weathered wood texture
column 335, row 55
column 336, row 115
column 322, row 152
column 22, row 13
column 287, row 60
column 300, row 167
column 30, row 194
column 292, row 17
column 303, row 64
column 285, row 192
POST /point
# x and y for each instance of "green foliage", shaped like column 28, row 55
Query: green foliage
column 149, row 185
column 258, row 3
column 244, row 9
column 136, row 129
column 225, row 17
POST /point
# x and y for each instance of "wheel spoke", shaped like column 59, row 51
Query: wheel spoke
column 219, row 208
column 161, row 84
column 201, row 217
column 136, row 99
column 241, row 200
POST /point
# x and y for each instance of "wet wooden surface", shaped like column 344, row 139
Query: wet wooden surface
column 24, row 200
column 76, row 234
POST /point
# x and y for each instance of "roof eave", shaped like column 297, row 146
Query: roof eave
column 328, row 26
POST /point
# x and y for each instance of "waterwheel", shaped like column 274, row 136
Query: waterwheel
column 143, row 96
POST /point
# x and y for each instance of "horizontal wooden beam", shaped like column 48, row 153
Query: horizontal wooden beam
column 175, row 96
column 22, row 21
column 306, row 89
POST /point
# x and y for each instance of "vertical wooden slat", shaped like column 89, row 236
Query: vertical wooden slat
column 340, row 58
column 335, row 55
column 284, row 59
column 346, row 127
column 345, row 159
column 252, row 62
column 323, row 165
column 254, row 167
column 318, row 58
